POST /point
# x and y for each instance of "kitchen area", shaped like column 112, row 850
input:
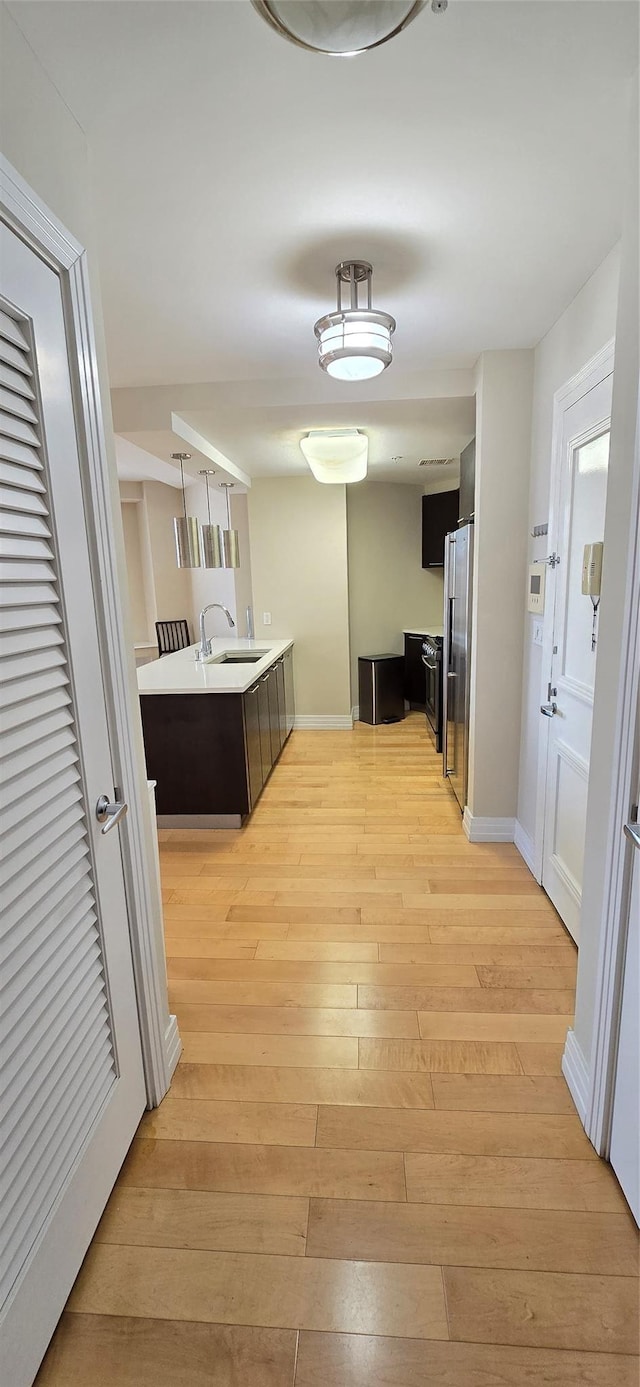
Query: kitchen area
column 217, row 713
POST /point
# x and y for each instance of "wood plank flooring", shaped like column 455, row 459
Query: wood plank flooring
column 369, row 1171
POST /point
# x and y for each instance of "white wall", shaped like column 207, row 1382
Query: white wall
column 388, row 587
column 298, row 531
column 585, row 327
column 503, row 435
column 621, row 524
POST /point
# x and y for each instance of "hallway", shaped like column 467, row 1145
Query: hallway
column 369, row 1171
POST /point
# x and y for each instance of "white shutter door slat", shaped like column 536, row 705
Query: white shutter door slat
column 18, row 526
column 11, row 355
column 57, row 799
column 14, row 668
column 24, row 617
column 31, row 961
column 12, row 570
column 19, row 475
column 11, row 329
column 23, row 499
column 12, row 790
column 12, row 451
column 47, row 702
column 36, row 1117
column 37, row 898
column 24, row 547
column 19, row 820
column 17, row 404
column 29, row 642
column 45, row 1062
column 17, row 953
column 33, row 756
column 73, row 1122
column 25, row 735
column 20, row 429
column 10, row 693
column 16, row 380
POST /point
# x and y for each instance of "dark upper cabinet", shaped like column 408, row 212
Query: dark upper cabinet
column 415, row 679
column 439, row 518
column 467, row 483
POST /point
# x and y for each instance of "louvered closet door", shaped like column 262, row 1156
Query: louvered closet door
column 71, row 1085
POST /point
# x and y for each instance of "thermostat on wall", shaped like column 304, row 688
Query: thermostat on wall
column 535, row 591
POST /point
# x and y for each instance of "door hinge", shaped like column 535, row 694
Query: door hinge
column 553, row 560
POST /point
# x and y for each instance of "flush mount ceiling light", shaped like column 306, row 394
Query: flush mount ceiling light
column 355, row 342
column 336, row 455
column 341, row 28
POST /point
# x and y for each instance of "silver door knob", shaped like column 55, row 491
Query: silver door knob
column 548, row 709
column 110, row 812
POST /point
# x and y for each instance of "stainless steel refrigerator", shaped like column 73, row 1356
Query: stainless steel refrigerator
column 456, row 659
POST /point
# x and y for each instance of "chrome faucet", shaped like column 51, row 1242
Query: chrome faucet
column 205, row 643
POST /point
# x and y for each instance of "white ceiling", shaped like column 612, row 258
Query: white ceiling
column 265, row 441
column 477, row 160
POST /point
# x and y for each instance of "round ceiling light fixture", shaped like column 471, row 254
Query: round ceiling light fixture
column 341, row 28
column 354, row 343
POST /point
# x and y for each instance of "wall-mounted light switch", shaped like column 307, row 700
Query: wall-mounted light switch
column 266, row 618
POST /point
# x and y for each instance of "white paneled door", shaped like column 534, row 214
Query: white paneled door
column 72, row 1088
column 580, row 499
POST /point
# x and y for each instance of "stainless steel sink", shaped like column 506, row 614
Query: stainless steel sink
column 248, row 657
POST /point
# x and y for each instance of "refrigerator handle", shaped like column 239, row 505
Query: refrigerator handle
column 446, row 649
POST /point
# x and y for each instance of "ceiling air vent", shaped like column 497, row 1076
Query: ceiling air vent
column 435, row 462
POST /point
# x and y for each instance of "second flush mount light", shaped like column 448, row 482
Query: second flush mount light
column 354, row 343
column 336, row 455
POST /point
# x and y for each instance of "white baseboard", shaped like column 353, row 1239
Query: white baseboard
column 576, row 1073
column 482, row 830
column 172, row 1044
column 526, row 847
column 355, row 712
column 323, row 722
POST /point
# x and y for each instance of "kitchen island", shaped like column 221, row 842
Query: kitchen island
column 213, row 730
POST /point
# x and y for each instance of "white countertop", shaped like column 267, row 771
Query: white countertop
column 423, row 631
column 181, row 674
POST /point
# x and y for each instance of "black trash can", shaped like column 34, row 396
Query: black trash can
column 381, row 688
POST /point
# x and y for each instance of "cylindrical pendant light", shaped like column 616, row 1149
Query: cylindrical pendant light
column 230, row 542
column 212, row 553
column 185, row 527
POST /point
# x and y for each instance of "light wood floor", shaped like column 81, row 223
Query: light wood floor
column 368, row 1172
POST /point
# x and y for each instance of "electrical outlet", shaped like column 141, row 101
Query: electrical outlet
column 266, row 618
column 537, row 633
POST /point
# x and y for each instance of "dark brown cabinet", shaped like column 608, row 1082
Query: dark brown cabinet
column 439, row 518
column 211, row 754
column 467, row 483
column 415, row 687
column 289, row 696
column 282, row 714
column 274, row 715
column 255, row 772
column 264, row 715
